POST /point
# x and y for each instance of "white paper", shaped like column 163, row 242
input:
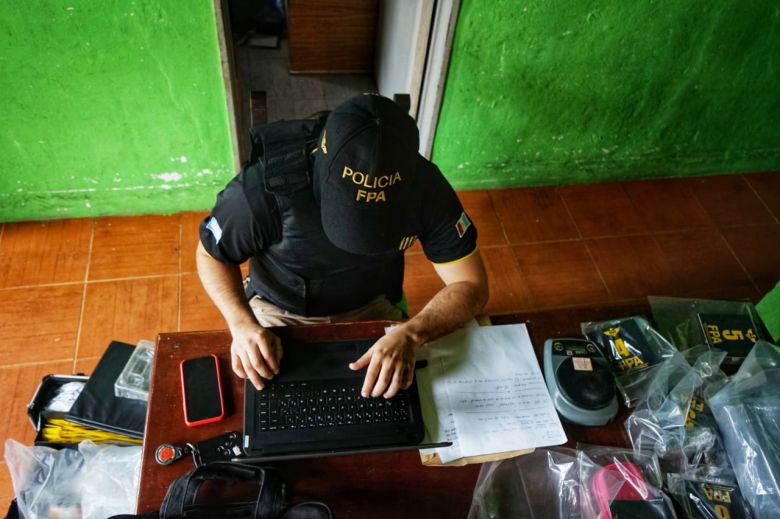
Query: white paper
column 439, row 420
column 485, row 389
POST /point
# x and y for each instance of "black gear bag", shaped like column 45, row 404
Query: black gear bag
column 270, row 503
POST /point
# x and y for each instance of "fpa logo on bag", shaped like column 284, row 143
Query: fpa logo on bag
column 624, row 357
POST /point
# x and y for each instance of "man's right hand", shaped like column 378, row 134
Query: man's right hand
column 255, row 353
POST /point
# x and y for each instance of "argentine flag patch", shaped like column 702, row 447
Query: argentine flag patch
column 213, row 226
column 462, row 224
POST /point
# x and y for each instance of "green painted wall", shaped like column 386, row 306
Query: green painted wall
column 118, row 106
column 110, row 107
column 566, row 91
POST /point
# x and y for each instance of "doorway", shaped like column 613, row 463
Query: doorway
column 293, row 59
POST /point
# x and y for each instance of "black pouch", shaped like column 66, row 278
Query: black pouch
column 268, row 502
column 708, row 497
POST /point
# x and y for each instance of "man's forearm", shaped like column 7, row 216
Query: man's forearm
column 449, row 309
column 224, row 286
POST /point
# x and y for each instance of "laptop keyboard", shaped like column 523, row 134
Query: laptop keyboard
column 301, row 405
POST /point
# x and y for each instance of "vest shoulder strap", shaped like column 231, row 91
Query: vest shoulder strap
column 283, row 149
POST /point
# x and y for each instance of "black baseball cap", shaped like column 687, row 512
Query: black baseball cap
column 365, row 175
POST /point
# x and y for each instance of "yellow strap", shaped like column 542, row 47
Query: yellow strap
column 63, row 431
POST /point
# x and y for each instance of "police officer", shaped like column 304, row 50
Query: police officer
column 325, row 212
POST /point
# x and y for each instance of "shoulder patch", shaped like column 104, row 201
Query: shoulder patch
column 213, row 226
column 462, row 224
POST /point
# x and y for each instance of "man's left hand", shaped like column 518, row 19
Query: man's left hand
column 390, row 364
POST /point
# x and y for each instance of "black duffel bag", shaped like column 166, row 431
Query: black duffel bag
column 270, row 502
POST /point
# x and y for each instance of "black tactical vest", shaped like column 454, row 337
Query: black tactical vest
column 302, row 271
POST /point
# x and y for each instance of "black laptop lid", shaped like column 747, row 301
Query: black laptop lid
column 322, row 369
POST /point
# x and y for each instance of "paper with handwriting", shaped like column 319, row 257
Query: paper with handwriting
column 483, row 390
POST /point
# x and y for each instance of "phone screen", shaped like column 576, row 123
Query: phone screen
column 202, row 390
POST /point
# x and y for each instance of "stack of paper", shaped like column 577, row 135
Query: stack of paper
column 483, row 391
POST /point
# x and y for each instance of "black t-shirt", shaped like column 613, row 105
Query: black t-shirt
column 236, row 230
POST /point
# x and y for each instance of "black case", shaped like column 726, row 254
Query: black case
column 98, row 407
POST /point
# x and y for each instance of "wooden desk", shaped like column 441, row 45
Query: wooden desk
column 371, row 485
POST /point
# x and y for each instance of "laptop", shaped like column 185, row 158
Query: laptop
column 313, row 407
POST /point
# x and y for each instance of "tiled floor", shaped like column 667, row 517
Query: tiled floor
column 69, row 287
column 295, row 96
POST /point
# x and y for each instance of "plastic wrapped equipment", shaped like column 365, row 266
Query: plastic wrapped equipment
column 708, row 496
column 747, row 411
column 47, row 482
column 114, row 474
column 672, row 419
column 657, row 425
column 540, row 485
column 730, row 326
column 620, row 483
column 133, row 382
column 633, row 348
column 704, row 443
column 593, row 483
column 94, row 482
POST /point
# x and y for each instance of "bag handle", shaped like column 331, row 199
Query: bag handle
column 180, row 500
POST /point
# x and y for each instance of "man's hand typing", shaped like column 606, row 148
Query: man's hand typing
column 390, row 364
column 255, row 352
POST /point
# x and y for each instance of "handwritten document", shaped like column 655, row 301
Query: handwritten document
column 483, row 391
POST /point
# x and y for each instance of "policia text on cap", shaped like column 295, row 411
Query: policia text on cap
column 324, row 212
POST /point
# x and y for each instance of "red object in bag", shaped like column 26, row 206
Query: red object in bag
column 622, row 481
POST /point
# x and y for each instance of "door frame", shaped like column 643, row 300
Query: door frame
column 227, row 58
column 433, row 79
column 445, row 18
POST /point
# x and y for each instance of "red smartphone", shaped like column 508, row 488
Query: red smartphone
column 201, row 389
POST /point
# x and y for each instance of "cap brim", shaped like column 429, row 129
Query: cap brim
column 361, row 231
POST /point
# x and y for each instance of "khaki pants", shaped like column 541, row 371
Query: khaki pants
column 378, row 309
